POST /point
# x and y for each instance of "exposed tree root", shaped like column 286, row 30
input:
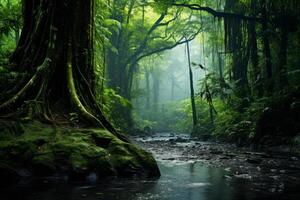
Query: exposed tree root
column 74, row 97
column 58, row 32
column 42, row 68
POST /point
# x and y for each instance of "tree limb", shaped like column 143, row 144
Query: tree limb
column 182, row 40
column 219, row 14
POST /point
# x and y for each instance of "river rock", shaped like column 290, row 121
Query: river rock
column 253, row 160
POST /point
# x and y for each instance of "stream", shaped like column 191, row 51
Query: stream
column 190, row 170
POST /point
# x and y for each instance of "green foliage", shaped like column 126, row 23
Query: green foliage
column 10, row 25
column 141, row 123
column 166, row 117
column 113, row 104
column 163, row 5
column 112, row 97
column 10, row 17
column 212, row 85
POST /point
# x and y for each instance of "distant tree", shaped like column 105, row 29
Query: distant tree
column 138, row 36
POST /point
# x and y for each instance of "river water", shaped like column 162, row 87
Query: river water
column 180, row 180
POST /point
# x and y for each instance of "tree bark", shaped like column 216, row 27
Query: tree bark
column 266, row 43
column 257, row 76
column 236, row 42
column 55, row 48
column 281, row 71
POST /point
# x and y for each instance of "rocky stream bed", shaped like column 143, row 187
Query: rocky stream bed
column 272, row 172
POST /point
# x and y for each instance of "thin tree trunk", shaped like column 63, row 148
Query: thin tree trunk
column 147, row 78
column 282, row 66
column 194, row 112
column 220, row 66
column 156, row 87
column 172, row 87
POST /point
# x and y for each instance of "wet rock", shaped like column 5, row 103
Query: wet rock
column 275, row 177
column 228, row 169
column 216, row 151
column 243, row 176
column 230, row 155
column 45, row 181
column 253, row 160
column 172, row 141
column 261, row 154
column 180, row 139
column 258, row 169
column 224, row 158
column 169, row 159
column 228, row 177
column 294, row 158
column 8, row 175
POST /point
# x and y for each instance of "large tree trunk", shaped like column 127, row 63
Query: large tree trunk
column 237, row 43
column 257, row 75
column 55, row 49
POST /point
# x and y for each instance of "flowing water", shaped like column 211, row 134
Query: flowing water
column 180, row 180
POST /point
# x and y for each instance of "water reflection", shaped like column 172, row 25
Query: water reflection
column 180, row 181
column 194, row 181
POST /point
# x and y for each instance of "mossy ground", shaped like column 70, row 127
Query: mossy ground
column 45, row 150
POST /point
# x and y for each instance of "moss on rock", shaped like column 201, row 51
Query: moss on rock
column 45, row 150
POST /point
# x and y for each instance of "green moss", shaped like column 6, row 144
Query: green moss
column 77, row 152
column 44, row 164
column 129, row 159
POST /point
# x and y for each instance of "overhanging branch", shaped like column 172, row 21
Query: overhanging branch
column 219, row 14
column 182, row 40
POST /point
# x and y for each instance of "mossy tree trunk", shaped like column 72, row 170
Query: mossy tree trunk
column 236, row 41
column 55, row 50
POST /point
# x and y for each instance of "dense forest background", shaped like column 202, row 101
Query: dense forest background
column 226, row 69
